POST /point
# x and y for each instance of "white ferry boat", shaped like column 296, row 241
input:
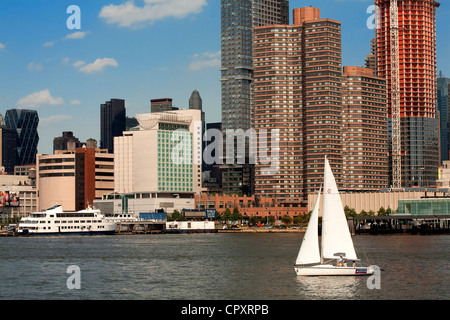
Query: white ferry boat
column 54, row 221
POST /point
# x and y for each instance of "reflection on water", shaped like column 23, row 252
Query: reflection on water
column 328, row 287
column 215, row 266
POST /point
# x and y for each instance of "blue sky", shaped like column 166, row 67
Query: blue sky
column 136, row 50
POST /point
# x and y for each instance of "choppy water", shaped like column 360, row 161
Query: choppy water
column 215, row 267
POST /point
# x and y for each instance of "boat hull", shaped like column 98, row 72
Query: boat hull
column 330, row 270
column 74, row 233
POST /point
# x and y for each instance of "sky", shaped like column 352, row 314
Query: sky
column 137, row 51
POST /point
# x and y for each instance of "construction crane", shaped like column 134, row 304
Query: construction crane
column 395, row 97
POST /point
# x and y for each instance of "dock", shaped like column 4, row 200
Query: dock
column 140, row 227
column 401, row 224
column 5, row 233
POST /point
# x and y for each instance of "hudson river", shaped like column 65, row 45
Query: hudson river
column 222, row 266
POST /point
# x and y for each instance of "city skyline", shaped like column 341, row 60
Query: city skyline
column 66, row 74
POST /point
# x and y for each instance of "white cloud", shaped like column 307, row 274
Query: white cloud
column 205, row 60
column 130, row 15
column 54, row 119
column 39, row 98
column 79, row 64
column 77, row 35
column 75, row 102
column 49, row 44
column 95, row 67
column 197, row 65
column 35, row 67
column 2, row 46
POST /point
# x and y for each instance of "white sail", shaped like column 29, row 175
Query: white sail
column 309, row 250
column 336, row 238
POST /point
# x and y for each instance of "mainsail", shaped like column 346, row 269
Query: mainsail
column 336, row 238
column 309, row 250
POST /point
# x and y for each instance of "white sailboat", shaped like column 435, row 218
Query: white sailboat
column 336, row 240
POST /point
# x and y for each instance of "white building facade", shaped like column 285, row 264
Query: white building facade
column 164, row 155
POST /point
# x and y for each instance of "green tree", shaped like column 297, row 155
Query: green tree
column 254, row 219
column 286, row 219
column 236, row 214
column 175, row 216
column 227, row 214
column 381, row 211
column 350, row 212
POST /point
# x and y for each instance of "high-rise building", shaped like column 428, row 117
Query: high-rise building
column 8, row 148
column 66, row 142
column 112, row 122
column 164, row 155
column 196, row 103
column 74, row 178
column 443, row 104
column 371, row 59
column 297, row 90
column 238, row 17
column 415, row 86
column 161, row 105
column 365, row 137
column 25, row 123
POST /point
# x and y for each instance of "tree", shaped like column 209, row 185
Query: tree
column 286, row 219
column 175, row 216
column 382, row 211
column 350, row 212
column 254, row 219
column 236, row 214
column 226, row 214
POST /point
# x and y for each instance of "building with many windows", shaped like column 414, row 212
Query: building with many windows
column 25, row 123
column 443, row 104
column 365, row 137
column 238, row 17
column 112, row 122
column 419, row 124
column 74, row 178
column 297, row 91
column 164, row 155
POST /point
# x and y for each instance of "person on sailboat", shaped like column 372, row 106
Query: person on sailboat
column 340, row 261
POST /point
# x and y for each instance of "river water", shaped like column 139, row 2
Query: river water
column 222, row 266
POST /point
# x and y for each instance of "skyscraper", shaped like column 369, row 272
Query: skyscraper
column 8, row 148
column 195, row 102
column 25, row 123
column 112, row 122
column 162, row 156
column 297, row 90
column 415, row 84
column 365, row 137
column 443, row 104
column 238, row 17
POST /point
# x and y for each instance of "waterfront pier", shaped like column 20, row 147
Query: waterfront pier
column 140, row 227
column 401, row 223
